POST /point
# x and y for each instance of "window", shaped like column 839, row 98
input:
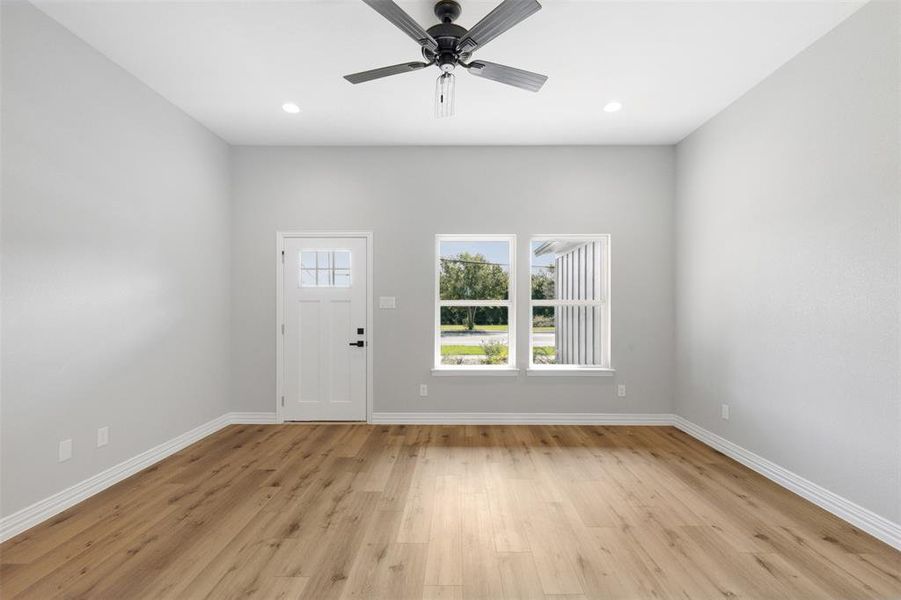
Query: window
column 569, row 307
column 474, row 313
column 325, row 268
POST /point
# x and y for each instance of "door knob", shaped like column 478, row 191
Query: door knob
column 358, row 344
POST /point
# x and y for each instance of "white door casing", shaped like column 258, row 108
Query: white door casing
column 324, row 311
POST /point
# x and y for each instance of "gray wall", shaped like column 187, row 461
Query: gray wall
column 406, row 196
column 114, row 262
column 788, row 265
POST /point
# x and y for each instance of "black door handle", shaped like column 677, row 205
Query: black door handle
column 358, row 344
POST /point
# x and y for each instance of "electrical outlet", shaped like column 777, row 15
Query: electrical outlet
column 65, row 450
column 621, row 390
column 724, row 411
column 102, row 437
column 423, row 390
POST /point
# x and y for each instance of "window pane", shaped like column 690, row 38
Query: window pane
column 308, row 277
column 325, row 268
column 474, row 335
column 342, row 277
column 308, row 259
column 566, row 270
column 566, row 335
column 543, row 335
column 474, row 270
column 342, row 259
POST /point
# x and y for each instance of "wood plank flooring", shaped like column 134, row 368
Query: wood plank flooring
column 447, row 512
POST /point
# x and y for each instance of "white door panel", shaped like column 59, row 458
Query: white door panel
column 340, row 352
column 324, row 295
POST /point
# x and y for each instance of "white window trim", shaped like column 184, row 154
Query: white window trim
column 605, row 368
column 510, row 303
column 568, row 371
column 479, row 370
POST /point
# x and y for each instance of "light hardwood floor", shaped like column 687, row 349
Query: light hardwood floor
column 369, row 511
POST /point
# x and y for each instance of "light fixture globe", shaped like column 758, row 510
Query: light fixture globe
column 445, row 88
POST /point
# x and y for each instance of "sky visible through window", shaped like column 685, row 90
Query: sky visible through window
column 540, row 263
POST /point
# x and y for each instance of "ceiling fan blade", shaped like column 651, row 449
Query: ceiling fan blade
column 385, row 72
column 404, row 22
column 504, row 16
column 526, row 80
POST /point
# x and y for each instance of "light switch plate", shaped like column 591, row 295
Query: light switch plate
column 388, row 302
column 102, row 437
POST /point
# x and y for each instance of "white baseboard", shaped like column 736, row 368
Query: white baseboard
column 486, row 418
column 865, row 520
column 252, row 418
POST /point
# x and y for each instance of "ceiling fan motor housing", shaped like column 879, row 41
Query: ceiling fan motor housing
column 448, row 35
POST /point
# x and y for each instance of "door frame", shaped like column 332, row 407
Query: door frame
column 280, row 238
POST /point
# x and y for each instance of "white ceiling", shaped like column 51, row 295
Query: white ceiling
column 231, row 65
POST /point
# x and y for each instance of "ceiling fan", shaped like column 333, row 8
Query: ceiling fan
column 447, row 46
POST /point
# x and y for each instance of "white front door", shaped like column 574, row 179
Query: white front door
column 324, row 295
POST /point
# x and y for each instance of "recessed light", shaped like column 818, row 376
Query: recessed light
column 613, row 106
column 290, row 108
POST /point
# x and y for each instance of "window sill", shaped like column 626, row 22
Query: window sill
column 499, row 372
column 563, row 372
